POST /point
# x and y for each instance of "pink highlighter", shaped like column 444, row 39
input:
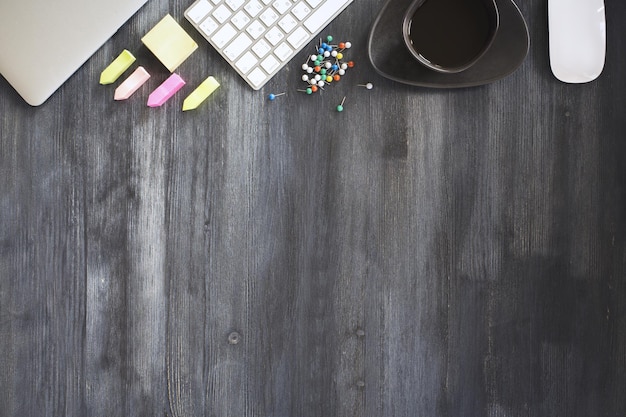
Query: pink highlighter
column 131, row 84
column 166, row 90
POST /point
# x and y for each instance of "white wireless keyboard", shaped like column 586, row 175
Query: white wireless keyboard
column 258, row 37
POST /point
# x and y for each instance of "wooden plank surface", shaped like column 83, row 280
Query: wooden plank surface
column 423, row 253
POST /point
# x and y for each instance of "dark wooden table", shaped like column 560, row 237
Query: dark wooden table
column 423, row 253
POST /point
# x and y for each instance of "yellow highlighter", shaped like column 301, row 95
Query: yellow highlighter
column 117, row 67
column 201, row 93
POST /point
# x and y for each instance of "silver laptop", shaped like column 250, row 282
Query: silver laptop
column 43, row 42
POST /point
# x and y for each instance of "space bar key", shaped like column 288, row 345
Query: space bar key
column 323, row 14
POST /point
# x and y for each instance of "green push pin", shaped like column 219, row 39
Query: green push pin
column 329, row 38
column 340, row 107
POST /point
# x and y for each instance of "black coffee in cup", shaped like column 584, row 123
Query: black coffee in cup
column 450, row 35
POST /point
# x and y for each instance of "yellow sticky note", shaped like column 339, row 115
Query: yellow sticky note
column 200, row 94
column 169, row 42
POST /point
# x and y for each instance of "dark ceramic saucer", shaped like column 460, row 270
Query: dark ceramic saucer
column 391, row 59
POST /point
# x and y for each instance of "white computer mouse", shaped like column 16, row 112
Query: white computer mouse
column 577, row 33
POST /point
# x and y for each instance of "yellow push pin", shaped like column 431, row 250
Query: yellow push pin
column 201, row 93
column 117, row 67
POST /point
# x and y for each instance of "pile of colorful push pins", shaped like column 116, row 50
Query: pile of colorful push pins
column 326, row 66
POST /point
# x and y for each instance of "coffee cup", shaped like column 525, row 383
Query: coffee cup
column 449, row 36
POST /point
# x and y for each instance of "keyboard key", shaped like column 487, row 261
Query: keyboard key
column 314, row 3
column 237, row 46
column 234, row 4
column 321, row 15
column 300, row 10
column 269, row 64
column 221, row 14
column 298, row 37
column 261, row 48
column 282, row 5
column 246, row 62
column 223, row 35
column 257, row 77
column 287, row 23
column 199, row 11
column 255, row 29
column 283, row 51
column 240, row 20
column 274, row 35
column 269, row 16
column 216, row 2
column 208, row 26
column 253, row 7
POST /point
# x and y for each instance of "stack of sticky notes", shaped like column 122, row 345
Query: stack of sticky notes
column 169, row 42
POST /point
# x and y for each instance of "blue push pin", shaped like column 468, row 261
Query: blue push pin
column 272, row 96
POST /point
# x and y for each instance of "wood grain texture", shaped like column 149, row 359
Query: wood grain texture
column 423, row 253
